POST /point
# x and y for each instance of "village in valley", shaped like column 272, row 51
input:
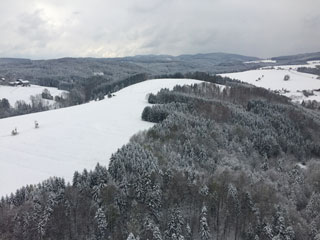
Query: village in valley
column 14, row 83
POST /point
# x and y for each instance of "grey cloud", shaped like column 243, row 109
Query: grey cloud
column 33, row 28
column 102, row 28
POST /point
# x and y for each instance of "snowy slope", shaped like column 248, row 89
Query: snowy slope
column 273, row 79
column 14, row 94
column 72, row 138
column 262, row 61
column 309, row 64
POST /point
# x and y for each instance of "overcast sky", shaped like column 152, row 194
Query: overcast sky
column 40, row 29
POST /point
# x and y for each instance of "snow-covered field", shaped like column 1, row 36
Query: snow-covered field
column 310, row 64
column 262, row 61
column 73, row 138
column 14, row 94
column 274, row 79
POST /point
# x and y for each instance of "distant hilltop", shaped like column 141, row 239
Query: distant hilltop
column 65, row 72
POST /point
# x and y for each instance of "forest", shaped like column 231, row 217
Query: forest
column 222, row 162
column 315, row 71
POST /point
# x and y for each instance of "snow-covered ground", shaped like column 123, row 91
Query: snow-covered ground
column 274, row 79
column 302, row 166
column 313, row 63
column 310, row 64
column 73, row 138
column 14, row 94
column 262, row 61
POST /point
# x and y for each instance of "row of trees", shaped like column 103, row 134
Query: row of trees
column 21, row 107
column 38, row 103
column 315, row 71
column 315, row 105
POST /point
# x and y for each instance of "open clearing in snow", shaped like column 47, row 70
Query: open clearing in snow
column 73, row 138
column 274, row 79
column 17, row 93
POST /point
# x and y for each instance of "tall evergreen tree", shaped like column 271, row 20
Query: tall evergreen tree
column 102, row 225
column 204, row 227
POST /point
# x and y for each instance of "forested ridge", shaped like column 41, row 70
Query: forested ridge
column 222, row 162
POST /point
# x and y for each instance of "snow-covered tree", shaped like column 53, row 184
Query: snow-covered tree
column 154, row 230
column 189, row 232
column 102, row 225
column 131, row 237
column 174, row 229
column 204, row 227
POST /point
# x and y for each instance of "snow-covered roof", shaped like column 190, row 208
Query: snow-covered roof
column 23, row 81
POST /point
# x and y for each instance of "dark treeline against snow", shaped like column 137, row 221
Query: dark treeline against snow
column 315, row 70
column 232, row 162
column 93, row 88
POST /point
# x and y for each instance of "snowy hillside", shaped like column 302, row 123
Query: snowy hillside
column 262, row 61
column 273, row 78
column 14, row 94
column 309, row 64
column 72, row 138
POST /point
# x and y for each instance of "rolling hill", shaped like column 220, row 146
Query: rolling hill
column 72, row 138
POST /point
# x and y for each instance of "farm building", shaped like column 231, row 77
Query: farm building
column 20, row 82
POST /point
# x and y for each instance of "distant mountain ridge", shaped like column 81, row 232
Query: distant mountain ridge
column 114, row 69
column 217, row 57
column 299, row 58
column 73, row 70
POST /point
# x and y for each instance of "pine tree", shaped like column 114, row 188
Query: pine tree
column 267, row 231
column 153, row 200
column 317, row 237
column 289, row 233
column 102, row 225
column 151, row 227
column 204, row 227
column 76, row 179
column 313, row 207
column 280, row 231
column 233, row 204
column 279, row 223
column 174, row 230
column 189, row 232
column 204, row 191
column 131, row 237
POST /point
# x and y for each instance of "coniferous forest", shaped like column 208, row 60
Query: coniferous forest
column 221, row 162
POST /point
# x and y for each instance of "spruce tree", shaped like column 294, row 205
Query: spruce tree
column 131, row 237
column 102, row 225
column 204, row 227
